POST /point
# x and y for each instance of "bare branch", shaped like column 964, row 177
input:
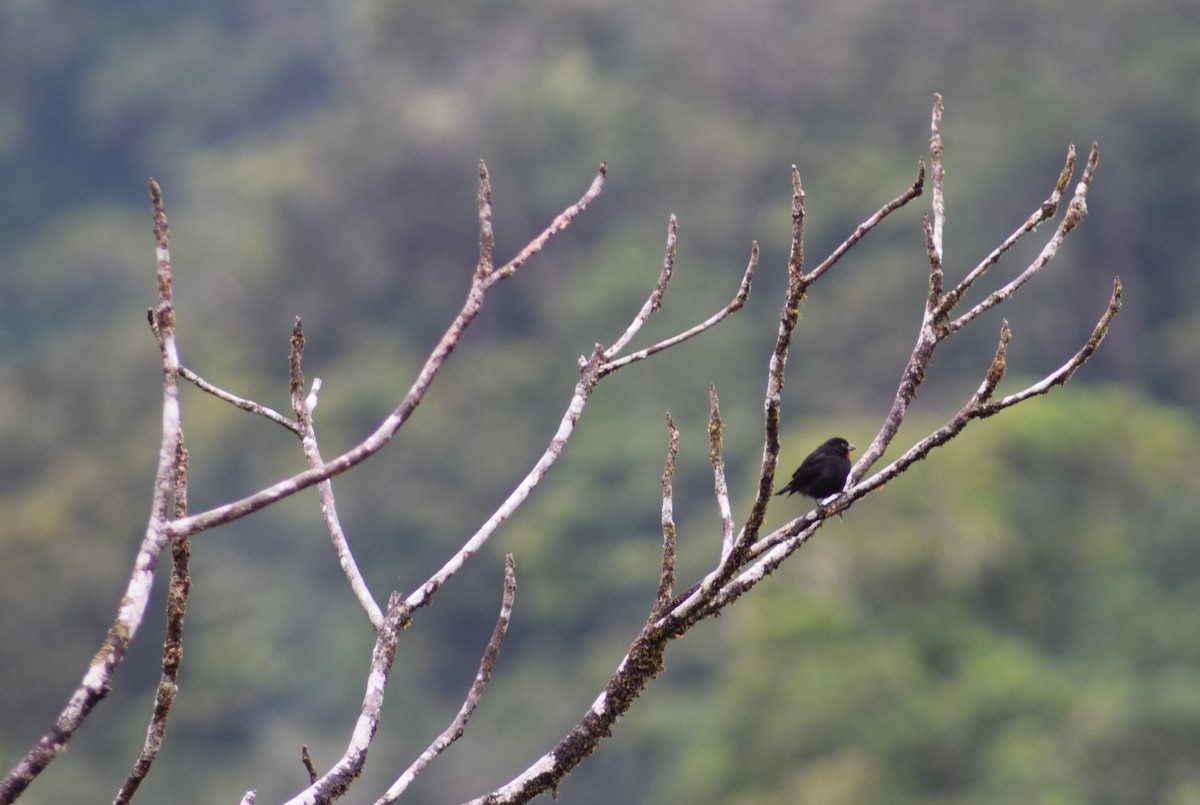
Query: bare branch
column 487, row 239
column 743, row 563
column 870, row 223
column 654, row 301
column 303, row 406
column 560, row 223
column 666, row 584
column 938, row 175
column 486, row 666
column 739, row 299
column 1061, row 375
column 416, row 393
column 1075, row 212
column 177, row 598
column 244, row 404
column 307, row 760
column 96, row 679
column 1047, row 210
column 789, row 314
column 720, row 487
column 995, row 372
column 745, row 558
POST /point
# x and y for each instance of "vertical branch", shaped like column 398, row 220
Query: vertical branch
column 177, row 598
column 666, row 584
column 487, row 239
column 788, row 316
column 132, row 609
column 938, row 176
column 720, row 486
column 308, row 438
column 927, row 338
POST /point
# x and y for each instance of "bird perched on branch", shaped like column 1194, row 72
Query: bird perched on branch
column 823, row 472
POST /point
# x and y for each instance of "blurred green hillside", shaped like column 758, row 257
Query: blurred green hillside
column 1016, row 620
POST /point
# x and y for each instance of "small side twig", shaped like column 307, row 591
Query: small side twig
column 872, row 221
column 239, row 402
column 486, row 666
column 307, row 760
column 654, row 300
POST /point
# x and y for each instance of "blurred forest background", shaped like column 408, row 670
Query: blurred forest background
column 1016, row 620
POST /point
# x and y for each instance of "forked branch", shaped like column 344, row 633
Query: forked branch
column 747, row 560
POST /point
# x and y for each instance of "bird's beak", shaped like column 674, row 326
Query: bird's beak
column 851, row 448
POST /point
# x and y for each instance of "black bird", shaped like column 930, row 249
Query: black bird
column 823, row 472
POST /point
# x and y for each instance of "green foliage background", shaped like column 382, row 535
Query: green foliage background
column 1017, row 620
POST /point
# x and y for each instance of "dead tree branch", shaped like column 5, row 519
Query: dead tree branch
column 745, row 562
column 745, row 557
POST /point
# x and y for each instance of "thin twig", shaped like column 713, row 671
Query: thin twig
column 486, row 666
column 870, row 223
column 308, row 439
column 307, row 760
column 557, row 225
column 1075, row 211
column 1045, row 211
column 735, row 304
column 789, row 315
column 1064, row 372
column 666, row 582
column 487, row 238
column 720, row 486
column 244, row 404
column 654, row 301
